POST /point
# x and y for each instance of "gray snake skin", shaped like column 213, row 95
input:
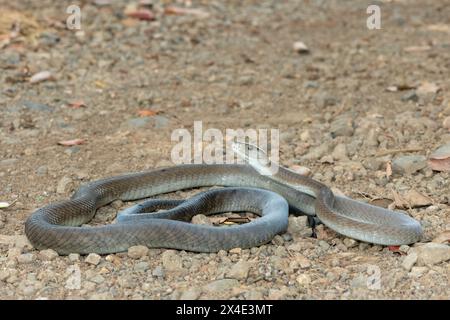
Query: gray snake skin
column 56, row 225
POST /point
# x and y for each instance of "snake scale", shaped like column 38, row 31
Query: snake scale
column 57, row 225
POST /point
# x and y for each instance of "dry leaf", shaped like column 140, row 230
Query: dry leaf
column 217, row 220
column 395, row 249
column 443, row 237
column 381, row 202
column 236, row 220
column 440, row 159
column 400, row 87
column 399, row 202
column 185, row 11
column 147, row 113
column 141, row 14
column 417, row 48
column 77, row 104
column 415, row 199
column 427, row 87
column 100, row 84
column 41, row 76
column 72, row 142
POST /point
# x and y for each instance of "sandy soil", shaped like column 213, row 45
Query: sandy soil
column 357, row 104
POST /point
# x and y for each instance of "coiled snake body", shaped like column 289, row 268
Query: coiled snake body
column 56, row 225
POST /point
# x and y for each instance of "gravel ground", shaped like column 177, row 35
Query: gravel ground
column 363, row 109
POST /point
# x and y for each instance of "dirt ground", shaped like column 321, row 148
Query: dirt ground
column 357, row 104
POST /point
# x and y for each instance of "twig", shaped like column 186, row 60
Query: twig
column 386, row 152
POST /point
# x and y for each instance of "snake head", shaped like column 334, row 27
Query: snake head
column 253, row 155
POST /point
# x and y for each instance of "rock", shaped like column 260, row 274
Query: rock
column 363, row 246
column 235, row 251
column 138, row 122
column 324, row 245
column 404, row 248
column 287, row 136
column 440, row 158
column 350, row 243
column 317, row 152
column 172, row 261
column 42, row 170
column 4, row 274
column 191, row 294
column 298, row 225
column 278, row 294
column 239, row 270
column 286, row 237
column 359, row 281
column 157, row 121
column 201, row 219
column 342, row 126
column 160, row 121
column 300, row 47
column 63, row 185
column 72, row 150
column 137, row 252
column 302, row 261
column 48, row 38
column 26, row 258
column 98, row 279
column 410, row 96
column 48, row 255
column 278, row 240
column 446, row 123
column 324, row 99
column 74, row 257
column 305, row 136
column 158, row 272
column 8, row 162
column 246, row 80
column 311, row 84
column 21, row 242
column 28, row 290
column 417, row 272
column 220, row 286
column 340, row 152
column 13, row 253
column 93, row 259
column 142, row 266
column 303, row 280
column 443, row 237
column 409, row 261
column 254, row 295
column 408, row 164
column 33, row 106
column 432, row 253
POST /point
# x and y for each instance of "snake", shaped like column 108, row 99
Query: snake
column 246, row 187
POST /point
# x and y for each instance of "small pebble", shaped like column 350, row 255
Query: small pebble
column 74, row 257
column 137, row 252
column 93, row 259
column 26, row 258
column 48, row 254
